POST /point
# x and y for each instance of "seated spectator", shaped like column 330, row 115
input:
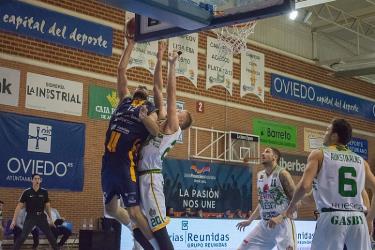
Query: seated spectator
column 187, row 213
column 237, row 214
column 170, row 212
column 200, row 213
column 61, row 227
column 17, row 230
column 228, row 214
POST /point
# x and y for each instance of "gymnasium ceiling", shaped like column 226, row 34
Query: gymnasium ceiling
column 350, row 24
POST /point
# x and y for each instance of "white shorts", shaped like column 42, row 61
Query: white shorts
column 153, row 200
column 332, row 234
column 264, row 238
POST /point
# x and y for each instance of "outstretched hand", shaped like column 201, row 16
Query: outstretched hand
column 162, row 45
column 242, row 225
column 172, row 58
column 12, row 225
column 290, row 211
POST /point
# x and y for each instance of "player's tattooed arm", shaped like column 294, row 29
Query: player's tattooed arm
column 289, row 187
column 287, row 183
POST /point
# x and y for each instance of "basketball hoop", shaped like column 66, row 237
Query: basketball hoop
column 233, row 38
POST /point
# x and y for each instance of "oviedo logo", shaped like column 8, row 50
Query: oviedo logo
column 202, row 170
column 39, row 139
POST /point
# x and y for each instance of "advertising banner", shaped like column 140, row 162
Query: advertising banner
column 54, row 27
column 212, row 187
column 359, row 146
column 252, row 74
column 53, row 94
column 219, row 66
column 102, row 102
column 9, row 86
column 144, row 56
column 187, row 64
column 319, row 97
column 295, row 164
column 275, row 133
column 216, row 234
column 54, row 149
column 313, row 139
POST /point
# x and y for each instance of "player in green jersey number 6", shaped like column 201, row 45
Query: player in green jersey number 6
column 338, row 178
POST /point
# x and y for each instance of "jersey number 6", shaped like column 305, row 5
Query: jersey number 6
column 347, row 181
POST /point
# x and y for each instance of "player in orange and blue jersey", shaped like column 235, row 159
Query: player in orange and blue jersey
column 131, row 123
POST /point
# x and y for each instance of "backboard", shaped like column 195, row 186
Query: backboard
column 160, row 19
column 243, row 146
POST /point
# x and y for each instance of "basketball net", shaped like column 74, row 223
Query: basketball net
column 233, row 38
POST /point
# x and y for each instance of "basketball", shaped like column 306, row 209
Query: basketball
column 130, row 28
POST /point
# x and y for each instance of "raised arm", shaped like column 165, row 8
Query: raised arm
column 158, row 81
column 122, row 80
column 172, row 122
column 305, row 184
column 149, row 120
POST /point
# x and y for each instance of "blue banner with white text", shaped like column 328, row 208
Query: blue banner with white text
column 51, row 148
column 54, row 27
column 210, row 187
column 359, row 146
column 316, row 96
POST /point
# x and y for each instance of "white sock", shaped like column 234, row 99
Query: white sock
column 154, row 243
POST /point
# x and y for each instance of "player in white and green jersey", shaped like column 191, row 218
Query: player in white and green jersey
column 338, row 177
column 275, row 189
column 155, row 149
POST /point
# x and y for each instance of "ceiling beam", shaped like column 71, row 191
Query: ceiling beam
column 343, row 20
column 356, row 72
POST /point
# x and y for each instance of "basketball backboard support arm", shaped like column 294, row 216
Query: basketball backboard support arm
column 226, row 146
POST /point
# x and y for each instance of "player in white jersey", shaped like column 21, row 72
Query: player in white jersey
column 275, row 189
column 338, row 177
column 155, row 149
